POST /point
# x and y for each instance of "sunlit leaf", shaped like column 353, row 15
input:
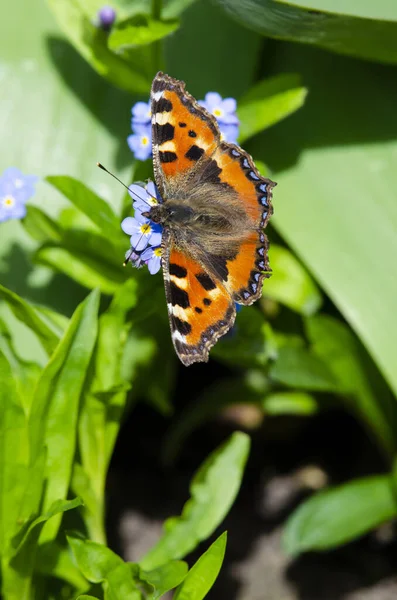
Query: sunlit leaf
column 201, row 577
column 139, row 30
column 213, row 491
column 299, row 368
column 338, row 515
column 164, row 578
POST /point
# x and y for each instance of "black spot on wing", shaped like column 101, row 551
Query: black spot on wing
column 211, row 172
column 205, row 281
column 192, row 133
column 198, row 309
column 207, row 301
column 179, row 296
column 164, row 133
column 162, row 105
column 177, row 270
column 194, row 153
column 183, row 327
column 182, row 124
column 167, row 157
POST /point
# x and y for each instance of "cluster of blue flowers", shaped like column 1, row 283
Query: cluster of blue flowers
column 224, row 110
column 15, row 190
column 145, row 235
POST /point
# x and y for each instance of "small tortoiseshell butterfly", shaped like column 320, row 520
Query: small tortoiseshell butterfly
column 215, row 205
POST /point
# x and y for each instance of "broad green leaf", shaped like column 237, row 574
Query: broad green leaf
column 328, row 219
column 40, row 226
column 86, row 597
column 201, row 577
column 299, row 368
column 268, row 102
column 139, row 30
column 17, row 577
column 213, row 490
column 290, row 403
column 90, row 41
column 26, row 312
column 384, row 10
column 89, row 203
column 164, row 578
column 335, row 344
column 57, row 402
column 364, row 38
column 339, row 515
column 290, row 283
column 100, row 565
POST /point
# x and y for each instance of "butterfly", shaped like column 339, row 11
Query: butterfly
column 215, row 206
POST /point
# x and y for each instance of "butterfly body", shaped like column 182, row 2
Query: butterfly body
column 214, row 207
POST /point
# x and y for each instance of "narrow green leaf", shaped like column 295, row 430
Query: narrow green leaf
column 339, row 515
column 17, row 578
column 297, row 367
column 368, row 396
column 85, row 265
column 139, row 30
column 26, row 313
column 93, row 206
column 268, row 102
column 290, row 283
column 91, row 42
column 100, row 565
column 54, row 560
column 213, row 491
column 14, row 454
column 40, row 226
column 164, row 578
column 57, row 402
column 204, row 572
column 290, row 403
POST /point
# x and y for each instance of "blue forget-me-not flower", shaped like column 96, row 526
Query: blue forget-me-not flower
column 145, row 236
column 15, row 190
column 223, row 109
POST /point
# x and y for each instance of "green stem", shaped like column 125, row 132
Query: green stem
column 157, row 46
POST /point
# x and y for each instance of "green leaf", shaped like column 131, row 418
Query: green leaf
column 384, row 10
column 139, row 30
column 204, row 572
column 312, row 203
column 89, row 203
column 290, row 403
column 14, row 454
column 299, row 368
column 365, row 38
column 57, row 402
column 100, row 565
column 27, row 313
column 164, row 578
column 290, row 283
column 86, row 597
column 213, row 491
column 54, row 560
column 91, row 42
column 88, row 258
column 268, row 102
column 339, row 515
column 367, row 395
column 40, row 226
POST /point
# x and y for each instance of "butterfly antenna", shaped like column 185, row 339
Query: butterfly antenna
column 123, row 184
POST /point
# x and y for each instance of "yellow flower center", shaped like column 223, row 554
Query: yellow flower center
column 144, row 140
column 8, row 201
column 145, row 229
column 217, row 112
column 152, row 201
column 158, row 251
